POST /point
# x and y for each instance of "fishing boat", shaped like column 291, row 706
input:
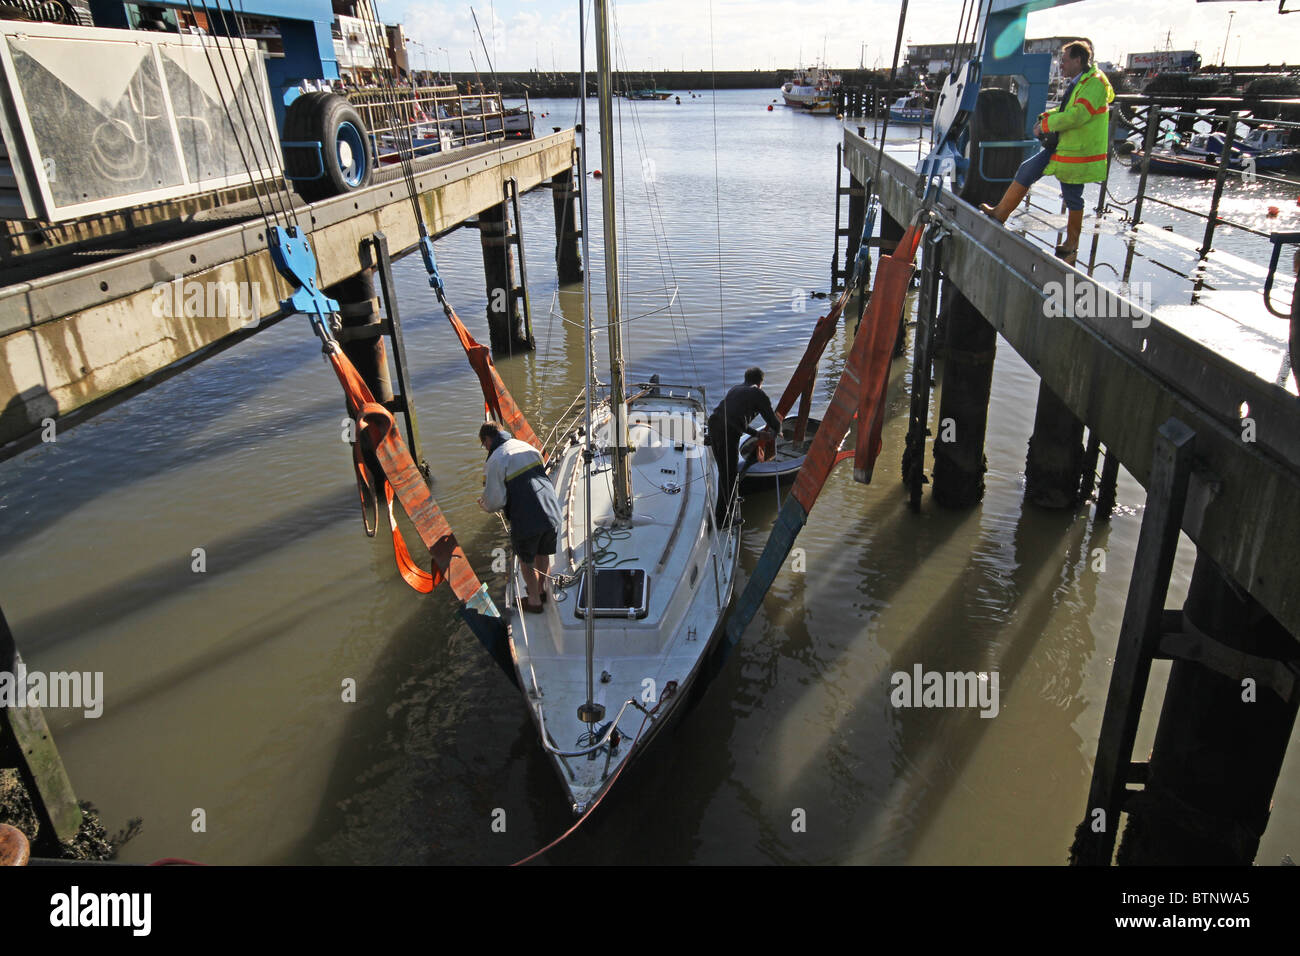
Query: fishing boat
column 642, row 576
column 910, row 110
column 822, row 106
column 811, row 89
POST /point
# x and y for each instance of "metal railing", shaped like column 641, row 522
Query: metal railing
column 432, row 119
column 1150, row 118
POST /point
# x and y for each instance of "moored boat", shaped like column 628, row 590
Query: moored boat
column 1264, row 149
column 782, row 466
column 642, row 575
column 812, row 89
column 911, row 110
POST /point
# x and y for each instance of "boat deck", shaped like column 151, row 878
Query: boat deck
column 657, row 634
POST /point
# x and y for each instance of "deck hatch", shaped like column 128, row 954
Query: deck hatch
column 620, row 592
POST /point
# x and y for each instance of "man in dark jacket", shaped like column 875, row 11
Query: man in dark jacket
column 515, row 481
column 728, row 422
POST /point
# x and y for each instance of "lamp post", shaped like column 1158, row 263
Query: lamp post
column 1231, row 14
column 444, row 50
column 424, row 50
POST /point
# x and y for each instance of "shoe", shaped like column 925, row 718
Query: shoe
column 531, row 608
column 1066, row 254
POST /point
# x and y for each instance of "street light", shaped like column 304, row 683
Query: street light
column 444, row 50
column 424, row 50
column 1231, row 14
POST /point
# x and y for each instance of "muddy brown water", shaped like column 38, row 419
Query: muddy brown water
column 223, row 694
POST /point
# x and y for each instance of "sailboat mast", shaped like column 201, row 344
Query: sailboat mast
column 604, row 89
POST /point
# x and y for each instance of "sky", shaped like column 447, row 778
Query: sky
column 777, row 34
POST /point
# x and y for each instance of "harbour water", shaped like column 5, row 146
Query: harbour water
column 224, row 689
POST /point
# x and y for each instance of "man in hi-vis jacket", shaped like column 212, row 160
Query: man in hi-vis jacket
column 1076, row 142
column 515, row 481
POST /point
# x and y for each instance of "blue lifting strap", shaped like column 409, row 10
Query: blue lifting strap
column 430, row 262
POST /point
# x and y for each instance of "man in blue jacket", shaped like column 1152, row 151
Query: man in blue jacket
column 728, row 422
column 515, row 481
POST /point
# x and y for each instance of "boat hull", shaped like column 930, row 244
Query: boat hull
column 1205, row 165
column 911, row 117
column 676, row 590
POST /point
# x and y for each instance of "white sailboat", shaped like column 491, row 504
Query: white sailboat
column 642, row 577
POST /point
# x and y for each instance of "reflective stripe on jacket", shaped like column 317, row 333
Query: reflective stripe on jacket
column 1083, row 125
column 515, row 481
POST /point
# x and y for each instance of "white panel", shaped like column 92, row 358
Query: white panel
column 108, row 119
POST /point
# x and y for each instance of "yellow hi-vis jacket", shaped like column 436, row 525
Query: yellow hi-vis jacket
column 1084, row 127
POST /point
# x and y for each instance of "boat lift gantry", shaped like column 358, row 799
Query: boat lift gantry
column 999, row 51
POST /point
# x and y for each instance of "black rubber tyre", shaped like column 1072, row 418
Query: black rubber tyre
column 998, row 116
column 346, row 152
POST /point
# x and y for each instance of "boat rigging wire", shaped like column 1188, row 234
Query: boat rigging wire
column 658, row 230
column 235, row 129
column 884, row 129
column 589, row 371
column 265, row 137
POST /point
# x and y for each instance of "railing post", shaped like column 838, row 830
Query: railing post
column 1105, row 178
column 1224, row 159
column 1148, row 141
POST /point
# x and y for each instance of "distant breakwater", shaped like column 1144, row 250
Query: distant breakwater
column 544, row 83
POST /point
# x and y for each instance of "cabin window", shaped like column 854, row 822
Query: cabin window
column 620, row 592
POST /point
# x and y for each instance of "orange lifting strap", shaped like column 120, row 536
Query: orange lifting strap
column 892, row 279
column 804, row 377
column 861, row 390
column 379, row 442
column 497, row 400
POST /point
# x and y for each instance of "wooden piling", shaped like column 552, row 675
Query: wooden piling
column 375, row 252
column 505, row 321
column 27, row 745
column 1088, row 475
column 568, row 229
column 1055, row 459
column 359, row 309
column 971, row 346
column 918, row 426
column 1228, row 712
column 857, row 217
column 1139, row 638
column 1106, row 488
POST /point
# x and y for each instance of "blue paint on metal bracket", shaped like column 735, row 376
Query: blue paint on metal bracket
column 789, row 522
column 864, row 250
column 294, row 260
column 430, row 262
